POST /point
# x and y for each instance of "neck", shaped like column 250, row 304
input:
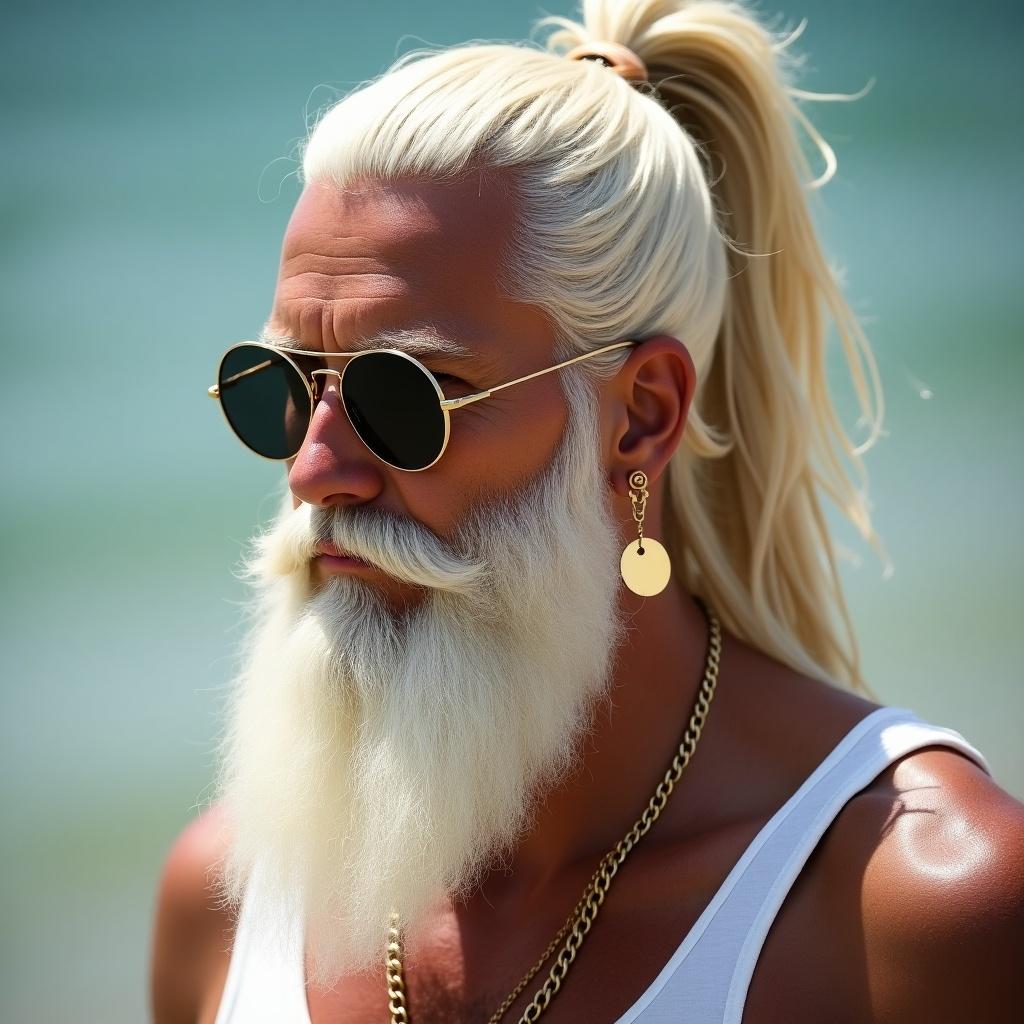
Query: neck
column 635, row 735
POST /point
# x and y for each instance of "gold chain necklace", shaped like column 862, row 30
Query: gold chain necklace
column 585, row 911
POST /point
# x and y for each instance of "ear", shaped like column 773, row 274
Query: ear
column 644, row 409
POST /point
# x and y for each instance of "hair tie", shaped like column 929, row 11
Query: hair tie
column 618, row 58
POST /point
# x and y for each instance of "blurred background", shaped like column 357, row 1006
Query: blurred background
column 146, row 176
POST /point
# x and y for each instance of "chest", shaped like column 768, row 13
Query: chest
column 462, row 971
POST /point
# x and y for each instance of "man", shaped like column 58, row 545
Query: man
column 454, row 706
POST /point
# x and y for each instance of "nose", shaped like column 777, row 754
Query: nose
column 333, row 466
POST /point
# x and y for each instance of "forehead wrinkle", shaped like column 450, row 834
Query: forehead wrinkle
column 421, row 341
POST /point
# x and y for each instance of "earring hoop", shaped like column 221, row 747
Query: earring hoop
column 645, row 566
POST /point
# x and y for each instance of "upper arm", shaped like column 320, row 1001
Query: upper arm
column 942, row 897
column 192, row 927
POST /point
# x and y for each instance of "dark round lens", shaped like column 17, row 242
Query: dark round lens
column 394, row 408
column 265, row 400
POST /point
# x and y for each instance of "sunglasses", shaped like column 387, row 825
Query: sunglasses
column 395, row 404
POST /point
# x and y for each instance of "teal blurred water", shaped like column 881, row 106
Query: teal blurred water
column 147, row 179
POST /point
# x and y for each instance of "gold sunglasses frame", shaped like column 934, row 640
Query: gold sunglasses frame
column 448, row 405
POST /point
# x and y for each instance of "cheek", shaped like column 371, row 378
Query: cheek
column 502, row 442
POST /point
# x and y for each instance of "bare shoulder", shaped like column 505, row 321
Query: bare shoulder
column 930, row 858
column 194, row 929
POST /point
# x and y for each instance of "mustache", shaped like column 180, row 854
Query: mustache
column 401, row 547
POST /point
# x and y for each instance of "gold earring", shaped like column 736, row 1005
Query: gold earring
column 645, row 565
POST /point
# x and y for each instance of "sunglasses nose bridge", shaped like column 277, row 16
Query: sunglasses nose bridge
column 318, row 380
column 316, row 383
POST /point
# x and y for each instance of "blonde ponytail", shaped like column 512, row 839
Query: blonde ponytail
column 742, row 502
column 680, row 207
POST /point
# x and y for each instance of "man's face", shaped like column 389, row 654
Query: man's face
column 392, row 729
column 392, row 257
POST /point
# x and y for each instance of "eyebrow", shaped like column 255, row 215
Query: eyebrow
column 422, row 341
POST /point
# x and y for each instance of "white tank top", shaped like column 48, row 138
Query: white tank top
column 710, row 972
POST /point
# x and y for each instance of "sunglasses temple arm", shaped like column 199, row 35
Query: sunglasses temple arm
column 458, row 403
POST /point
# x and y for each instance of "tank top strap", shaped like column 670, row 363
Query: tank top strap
column 878, row 740
column 709, row 975
column 266, row 974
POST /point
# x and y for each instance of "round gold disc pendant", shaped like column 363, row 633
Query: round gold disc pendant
column 645, row 574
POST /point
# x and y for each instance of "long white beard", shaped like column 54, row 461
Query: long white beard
column 376, row 759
